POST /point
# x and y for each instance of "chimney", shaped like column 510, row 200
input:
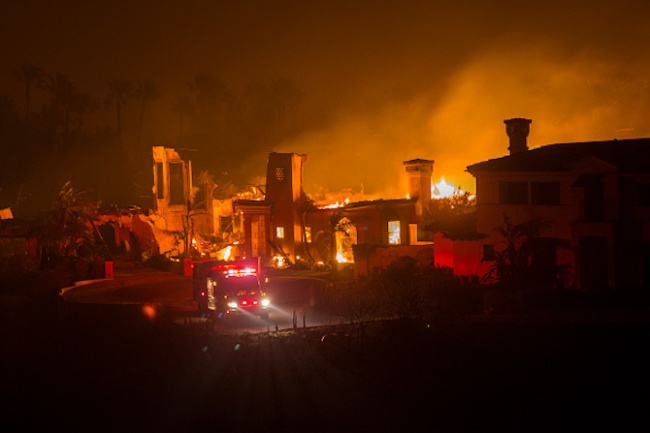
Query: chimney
column 419, row 173
column 517, row 130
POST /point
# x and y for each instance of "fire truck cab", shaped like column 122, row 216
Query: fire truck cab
column 230, row 287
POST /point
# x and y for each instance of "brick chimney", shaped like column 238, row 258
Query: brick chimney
column 517, row 130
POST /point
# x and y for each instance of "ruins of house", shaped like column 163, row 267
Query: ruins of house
column 285, row 225
column 369, row 234
column 596, row 196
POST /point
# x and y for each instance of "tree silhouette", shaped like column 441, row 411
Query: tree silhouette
column 70, row 228
column 119, row 92
column 285, row 96
column 512, row 268
column 11, row 157
column 212, row 98
column 30, row 76
column 183, row 106
column 460, row 203
column 145, row 92
column 273, row 106
column 67, row 106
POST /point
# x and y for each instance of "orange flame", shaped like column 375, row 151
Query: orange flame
column 442, row 189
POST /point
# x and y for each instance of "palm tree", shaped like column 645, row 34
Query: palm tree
column 212, row 98
column 30, row 75
column 58, row 113
column 274, row 106
column 285, row 96
column 145, row 91
column 80, row 104
column 513, row 265
column 182, row 106
column 69, row 228
column 120, row 91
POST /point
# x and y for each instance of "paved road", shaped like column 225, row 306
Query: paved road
column 155, row 293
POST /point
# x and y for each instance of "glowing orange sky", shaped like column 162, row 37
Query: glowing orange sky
column 386, row 81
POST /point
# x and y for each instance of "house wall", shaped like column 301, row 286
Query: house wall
column 379, row 257
column 490, row 214
column 618, row 230
column 443, row 251
column 462, row 256
column 253, row 230
column 490, row 211
column 173, row 210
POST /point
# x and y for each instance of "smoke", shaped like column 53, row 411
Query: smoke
column 390, row 82
column 580, row 95
column 364, row 151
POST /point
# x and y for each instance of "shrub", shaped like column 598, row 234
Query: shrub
column 159, row 261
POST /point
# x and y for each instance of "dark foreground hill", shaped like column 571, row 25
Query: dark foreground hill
column 114, row 373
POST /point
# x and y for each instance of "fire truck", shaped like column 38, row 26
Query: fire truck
column 230, row 287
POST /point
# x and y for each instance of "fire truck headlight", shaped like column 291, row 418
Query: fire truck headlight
column 232, row 304
column 266, row 302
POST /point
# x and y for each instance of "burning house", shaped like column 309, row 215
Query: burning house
column 370, row 234
column 288, row 227
column 595, row 197
column 281, row 224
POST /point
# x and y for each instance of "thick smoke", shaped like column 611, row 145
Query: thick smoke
column 383, row 82
column 582, row 96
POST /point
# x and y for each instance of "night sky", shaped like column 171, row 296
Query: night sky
column 382, row 81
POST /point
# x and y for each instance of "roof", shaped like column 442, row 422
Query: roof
column 379, row 203
column 419, row 161
column 457, row 227
column 630, row 156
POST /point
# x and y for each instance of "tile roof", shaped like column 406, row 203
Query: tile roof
column 630, row 156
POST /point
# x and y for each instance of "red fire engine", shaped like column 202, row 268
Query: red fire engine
column 227, row 287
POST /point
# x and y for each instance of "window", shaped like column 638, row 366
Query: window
column 345, row 235
column 225, row 224
column 513, row 192
column 176, row 184
column 308, row 235
column 594, row 199
column 488, row 252
column 545, row 193
column 279, row 232
column 594, row 196
column 394, row 235
column 643, row 194
column 160, row 181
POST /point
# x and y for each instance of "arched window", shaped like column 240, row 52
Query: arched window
column 345, row 234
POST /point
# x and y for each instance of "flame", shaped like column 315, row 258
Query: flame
column 335, row 205
column 341, row 258
column 279, row 261
column 226, row 253
column 442, row 189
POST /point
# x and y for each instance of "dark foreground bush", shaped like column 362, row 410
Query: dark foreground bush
column 18, row 277
column 403, row 291
column 159, row 261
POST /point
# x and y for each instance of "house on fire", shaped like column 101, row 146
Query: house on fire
column 594, row 195
column 288, row 226
column 283, row 225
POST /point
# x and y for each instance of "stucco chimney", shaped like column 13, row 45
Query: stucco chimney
column 418, row 173
column 517, row 130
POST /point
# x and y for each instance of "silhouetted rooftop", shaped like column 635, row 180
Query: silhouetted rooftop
column 630, row 156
